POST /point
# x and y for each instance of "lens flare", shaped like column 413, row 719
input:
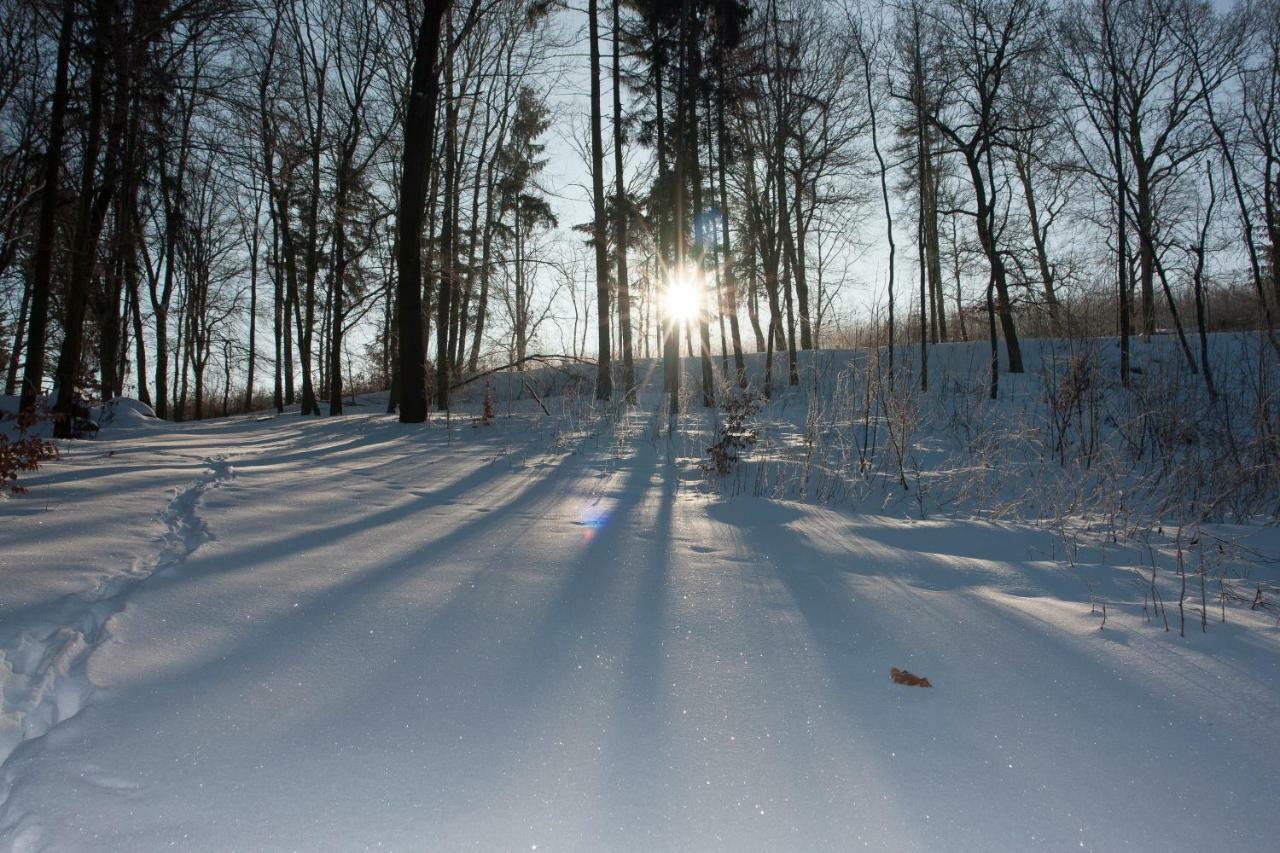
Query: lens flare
column 591, row 518
column 682, row 298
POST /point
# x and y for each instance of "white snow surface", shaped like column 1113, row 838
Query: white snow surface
column 275, row 633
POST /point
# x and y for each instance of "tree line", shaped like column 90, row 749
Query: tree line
column 212, row 200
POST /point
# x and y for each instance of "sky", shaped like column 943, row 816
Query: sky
column 567, row 178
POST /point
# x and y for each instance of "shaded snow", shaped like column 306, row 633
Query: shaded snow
column 279, row 633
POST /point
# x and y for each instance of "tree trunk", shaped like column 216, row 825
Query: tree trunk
column 11, row 378
column 999, row 275
column 604, row 372
column 1038, row 239
column 1122, row 263
column 419, row 142
column 1144, row 224
column 933, row 248
column 89, row 219
column 42, row 272
column 448, row 253
column 730, row 295
column 337, row 318
column 139, row 342
column 482, row 303
column 884, row 189
column 924, row 302
column 795, row 248
column 955, row 244
column 1197, row 283
column 254, row 242
column 622, row 213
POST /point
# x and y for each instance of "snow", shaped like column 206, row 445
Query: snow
column 123, row 412
column 266, row 633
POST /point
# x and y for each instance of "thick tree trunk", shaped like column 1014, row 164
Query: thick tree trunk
column 89, row 220
column 419, row 142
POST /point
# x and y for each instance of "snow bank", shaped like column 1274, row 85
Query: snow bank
column 123, row 412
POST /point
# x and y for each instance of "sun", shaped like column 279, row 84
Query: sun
column 683, row 296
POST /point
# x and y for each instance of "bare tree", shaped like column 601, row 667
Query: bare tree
column 984, row 41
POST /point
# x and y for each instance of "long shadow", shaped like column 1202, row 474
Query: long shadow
column 864, row 619
column 989, row 663
column 306, row 540
column 544, row 657
column 248, row 559
column 596, row 575
column 598, row 597
column 263, row 648
column 973, row 539
column 638, row 753
column 375, row 434
column 835, row 621
column 310, row 539
column 504, row 697
column 79, row 475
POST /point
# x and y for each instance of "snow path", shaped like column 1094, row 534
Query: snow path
column 357, row 635
column 42, row 664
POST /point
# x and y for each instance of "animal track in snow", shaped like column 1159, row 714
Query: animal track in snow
column 43, row 679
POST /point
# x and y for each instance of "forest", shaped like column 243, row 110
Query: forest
column 619, row 426
column 221, row 205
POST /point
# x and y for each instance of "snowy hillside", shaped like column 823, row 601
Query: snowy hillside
column 556, row 633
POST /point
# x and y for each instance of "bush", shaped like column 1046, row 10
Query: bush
column 733, row 436
column 23, row 454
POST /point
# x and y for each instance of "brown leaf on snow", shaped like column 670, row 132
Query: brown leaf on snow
column 901, row 676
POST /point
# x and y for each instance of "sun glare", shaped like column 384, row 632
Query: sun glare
column 682, row 299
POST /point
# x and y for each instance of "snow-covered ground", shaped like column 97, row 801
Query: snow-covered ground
column 551, row 634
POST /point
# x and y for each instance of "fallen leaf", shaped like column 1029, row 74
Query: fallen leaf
column 901, row 676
